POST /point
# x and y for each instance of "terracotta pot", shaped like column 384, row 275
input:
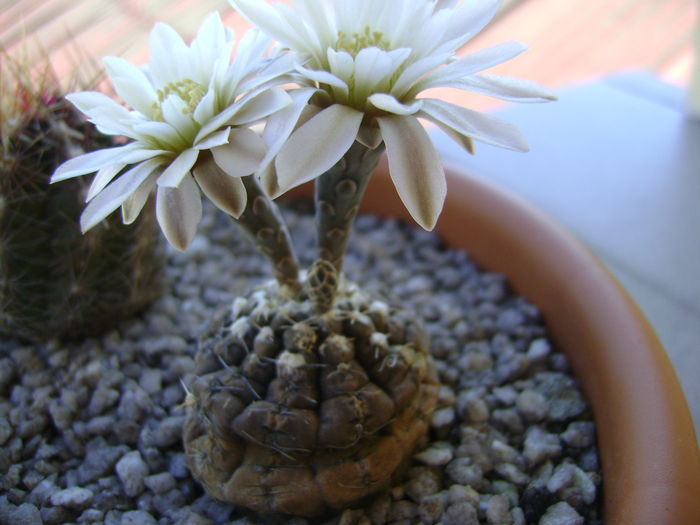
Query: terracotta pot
column 647, row 443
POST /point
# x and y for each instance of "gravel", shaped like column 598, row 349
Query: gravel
column 90, row 430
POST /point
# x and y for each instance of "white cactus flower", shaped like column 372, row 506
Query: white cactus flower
column 369, row 61
column 189, row 117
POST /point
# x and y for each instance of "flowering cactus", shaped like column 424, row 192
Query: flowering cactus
column 308, row 395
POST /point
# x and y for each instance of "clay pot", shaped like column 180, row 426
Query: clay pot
column 647, row 443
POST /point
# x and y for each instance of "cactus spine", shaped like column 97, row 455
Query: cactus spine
column 56, row 282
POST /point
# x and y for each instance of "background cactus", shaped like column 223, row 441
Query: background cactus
column 56, row 282
column 301, row 413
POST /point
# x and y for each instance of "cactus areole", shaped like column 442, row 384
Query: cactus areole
column 308, row 395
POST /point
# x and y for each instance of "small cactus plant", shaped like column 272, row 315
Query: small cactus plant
column 299, row 413
column 55, row 282
column 308, row 395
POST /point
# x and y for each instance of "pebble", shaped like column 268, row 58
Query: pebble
column 131, row 471
column 436, row 455
column 461, row 513
column 579, row 434
column 162, row 482
column 561, row 514
column 431, row 508
column 498, row 510
column 532, row 405
column 74, row 497
column 137, row 517
column 541, row 446
column 103, row 417
column 443, row 417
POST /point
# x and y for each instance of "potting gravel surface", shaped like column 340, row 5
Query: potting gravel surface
column 90, row 432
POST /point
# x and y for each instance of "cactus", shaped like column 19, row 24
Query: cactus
column 298, row 413
column 55, row 282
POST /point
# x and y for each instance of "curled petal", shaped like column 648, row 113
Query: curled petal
column 96, row 160
column 505, row 88
column 133, row 205
column 226, row 192
column 389, row 104
column 317, row 145
column 243, row 153
column 415, row 168
column 470, row 64
column 478, row 126
column 178, row 211
column 116, row 193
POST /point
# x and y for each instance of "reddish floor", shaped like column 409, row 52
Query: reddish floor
column 571, row 41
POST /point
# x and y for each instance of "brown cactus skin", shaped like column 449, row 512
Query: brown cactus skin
column 292, row 412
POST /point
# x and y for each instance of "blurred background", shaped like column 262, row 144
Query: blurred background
column 571, row 40
column 616, row 160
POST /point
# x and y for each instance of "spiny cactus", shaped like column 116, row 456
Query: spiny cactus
column 55, row 282
column 299, row 413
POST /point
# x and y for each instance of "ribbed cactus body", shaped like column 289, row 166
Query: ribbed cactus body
column 298, row 413
column 56, row 282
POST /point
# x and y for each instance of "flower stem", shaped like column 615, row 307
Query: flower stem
column 263, row 221
column 338, row 195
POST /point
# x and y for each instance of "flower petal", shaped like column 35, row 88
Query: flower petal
column 131, row 84
column 505, row 88
column 102, row 111
column 133, row 205
column 261, row 106
column 389, row 104
column 472, row 15
column 116, row 193
column 96, row 160
column 478, row 126
column 470, row 64
column 243, row 153
column 178, row 211
column 415, row 168
column 261, row 15
column 178, row 168
column 103, row 177
column 226, row 192
column 170, row 57
column 215, row 139
column 322, row 77
column 280, row 125
column 317, row 145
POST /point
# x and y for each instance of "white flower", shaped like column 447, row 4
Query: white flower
column 369, row 61
column 190, row 111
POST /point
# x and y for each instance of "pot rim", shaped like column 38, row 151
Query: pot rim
column 646, row 438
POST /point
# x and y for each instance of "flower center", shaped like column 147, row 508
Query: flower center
column 355, row 42
column 187, row 90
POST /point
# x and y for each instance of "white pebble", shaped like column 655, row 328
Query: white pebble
column 561, row 514
column 539, row 349
column 436, row 455
column 562, row 477
column 76, row 497
column 532, row 405
column 443, row 417
column 131, row 470
column 498, row 510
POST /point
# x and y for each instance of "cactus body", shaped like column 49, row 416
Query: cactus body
column 56, row 282
column 298, row 413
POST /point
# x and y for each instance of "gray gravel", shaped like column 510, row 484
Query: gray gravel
column 90, row 431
